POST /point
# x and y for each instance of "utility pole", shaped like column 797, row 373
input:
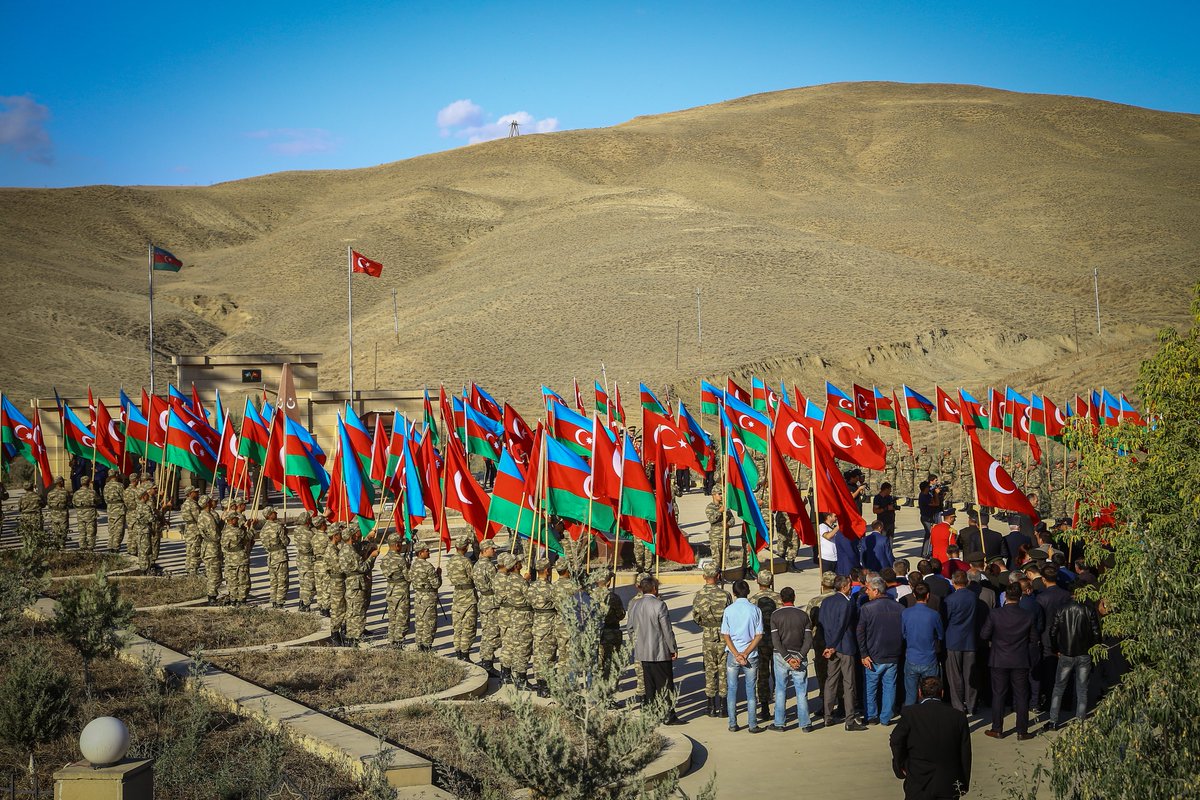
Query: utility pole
column 699, row 326
column 1075, row 317
column 395, row 317
column 1096, row 285
column 677, row 328
column 514, row 129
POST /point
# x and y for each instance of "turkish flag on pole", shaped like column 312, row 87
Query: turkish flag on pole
column 785, row 497
column 854, row 441
column 663, row 437
column 902, row 422
column 464, row 493
column 791, row 433
column 360, row 263
column 864, row 403
column 994, row 487
column 947, row 408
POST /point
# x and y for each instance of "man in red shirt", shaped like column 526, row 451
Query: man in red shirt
column 942, row 535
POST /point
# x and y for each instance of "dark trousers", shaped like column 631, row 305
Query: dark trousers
column 840, row 678
column 960, row 679
column 1005, row 679
column 1041, row 680
column 657, row 677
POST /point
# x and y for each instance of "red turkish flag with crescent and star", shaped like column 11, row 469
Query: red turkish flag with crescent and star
column 994, row 487
column 864, row 403
column 361, row 263
column 852, row 440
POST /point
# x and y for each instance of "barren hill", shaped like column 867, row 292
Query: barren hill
column 885, row 231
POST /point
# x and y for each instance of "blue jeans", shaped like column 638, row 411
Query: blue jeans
column 884, row 674
column 749, row 673
column 912, row 676
column 1081, row 666
column 799, row 679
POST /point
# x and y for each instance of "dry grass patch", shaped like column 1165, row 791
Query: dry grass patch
column 145, row 591
column 329, row 678
column 70, row 562
column 187, row 630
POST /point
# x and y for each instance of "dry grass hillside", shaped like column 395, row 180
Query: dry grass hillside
column 886, row 231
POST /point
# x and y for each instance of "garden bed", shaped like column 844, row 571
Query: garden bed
column 201, row 751
column 188, row 629
column 144, row 592
column 69, row 562
column 326, row 678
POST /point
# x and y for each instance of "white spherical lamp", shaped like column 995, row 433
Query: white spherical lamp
column 104, row 741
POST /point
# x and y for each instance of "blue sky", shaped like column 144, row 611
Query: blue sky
column 197, row 93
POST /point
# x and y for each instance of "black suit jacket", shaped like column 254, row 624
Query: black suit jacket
column 931, row 751
column 1011, row 630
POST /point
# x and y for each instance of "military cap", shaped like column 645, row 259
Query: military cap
column 59, row 480
column 194, row 490
column 765, row 578
column 487, row 544
column 462, row 541
column 29, row 486
column 395, row 537
column 542, row 564
column 517, row 558
column 504, row 560
column 711, row 571
column 421, row 546
column 563, row 566
column 1038, row 554
column 997, row 559
column 601, row 575
column 641, row 576
column 85, row 479
column 268, row 511
column 827, row 579
column 234, row 517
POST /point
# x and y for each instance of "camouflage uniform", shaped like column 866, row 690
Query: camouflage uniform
column 85, row 500
column 30, row 505
column 320, row 546
column 303, row 536
column 948, row 472
column 611, row 634
column 545, row 615
column 58, row 501
column 335, row 580
column 964, row 487
column 718, row 531
column 767, row 600
column 708, row 607
column 1058, row 498
column 132, row 496
column 356, row 563
column 236, row 541
column 906, row 477
column 924, row 465
column 517, row 636
column 891, row 467
column 114, row 498
column 485, row 578
column 464, row 604
column 395, row 568
column 565, row 588
column 505, row 562
column 787, row 544
column 189, row 515
column 425, row 583
column 145, row 526
column 275, row 540
column 210, row 541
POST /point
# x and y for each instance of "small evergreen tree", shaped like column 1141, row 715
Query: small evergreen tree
column 581, row 746
column 20, row 587
column 90, row 617
column 36, row 703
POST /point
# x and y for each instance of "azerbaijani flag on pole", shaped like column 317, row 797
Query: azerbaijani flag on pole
column 919, row 407
column 884, row 411
column 252, row 443
column 571, row 427
column 649, row 401
column 187, row 449
column 16, row 432
column 973, row 413
column 739, row 493
column 710, row 398
column 568, row 484
column 637, row 496
column 752, row 427
column 359, row 494
column 483, row 434
column 510, row 506
column 164, row 261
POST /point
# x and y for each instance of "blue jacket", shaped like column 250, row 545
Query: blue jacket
column 847, row 553
column 877, row 551
column 923, row 633
column 879, row 632
column 837, row 620
column 959, row 610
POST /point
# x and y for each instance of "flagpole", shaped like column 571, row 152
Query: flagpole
column 350, row 315
column 812, row 463
column 620, row 496
column 150, row 273
column 725, row 496
column 978, row 507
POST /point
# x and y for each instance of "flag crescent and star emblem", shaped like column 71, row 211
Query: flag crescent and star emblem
column 192, row 446
column 26, row 437
column 362, row 263
column 112, row 429
column 583, row 438
column 1059, row 418
column 88, row 441
column 837, row 439
column 458, row 477
column 845, row 404
column 788, row 433
column 745, row 423
column 665, row 446
column 992, row 478
column 587, row 488
column 617, row 463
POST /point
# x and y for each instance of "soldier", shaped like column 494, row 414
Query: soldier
column 154, row 532
column 189, row 515
column 395, row 568
column 425, row 583
column 948, row 470
column 303, row 538
column 504, row 566
column 274, row 538
column 517, row 636
column 718, row 526
column 209, row 524
column 643, row 558
column 141, row 527
column 767, row 600
column 708, row 607
column 335, row 581
column 639, row 687
column 484, row 576
column 320, row 544
column 357, row 560
column 236, row 540
column 565, row 588
column 787, row 545
column 114, row 499
column 611, row 634
column 891, row 465
column 965, row 484
column 58, row 501
column 906, row 476
column 545, row 640
column 464, row 603
column 133, row 494
column 30, row 506
column 923, row 463
column 85, row 500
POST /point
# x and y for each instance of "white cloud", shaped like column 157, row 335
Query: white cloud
column 23, row 129
column 297, row 141
column 458, row 114
column 462, row 119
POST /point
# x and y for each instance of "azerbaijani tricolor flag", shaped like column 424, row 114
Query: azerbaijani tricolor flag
column 164, row 261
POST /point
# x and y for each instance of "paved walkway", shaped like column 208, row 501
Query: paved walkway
column 770, row 763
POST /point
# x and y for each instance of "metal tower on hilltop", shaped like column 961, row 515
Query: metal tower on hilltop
column 514, row 129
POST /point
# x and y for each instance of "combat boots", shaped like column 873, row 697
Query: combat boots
column 711, row 711
column 212, row 600
column 543, row 690
column 722, row 711
column 505, row 675
column 304, row 606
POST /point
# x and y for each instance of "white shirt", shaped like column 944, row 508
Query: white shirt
column 828, row 548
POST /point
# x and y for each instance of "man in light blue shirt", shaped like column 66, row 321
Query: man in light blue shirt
column 742, row 629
